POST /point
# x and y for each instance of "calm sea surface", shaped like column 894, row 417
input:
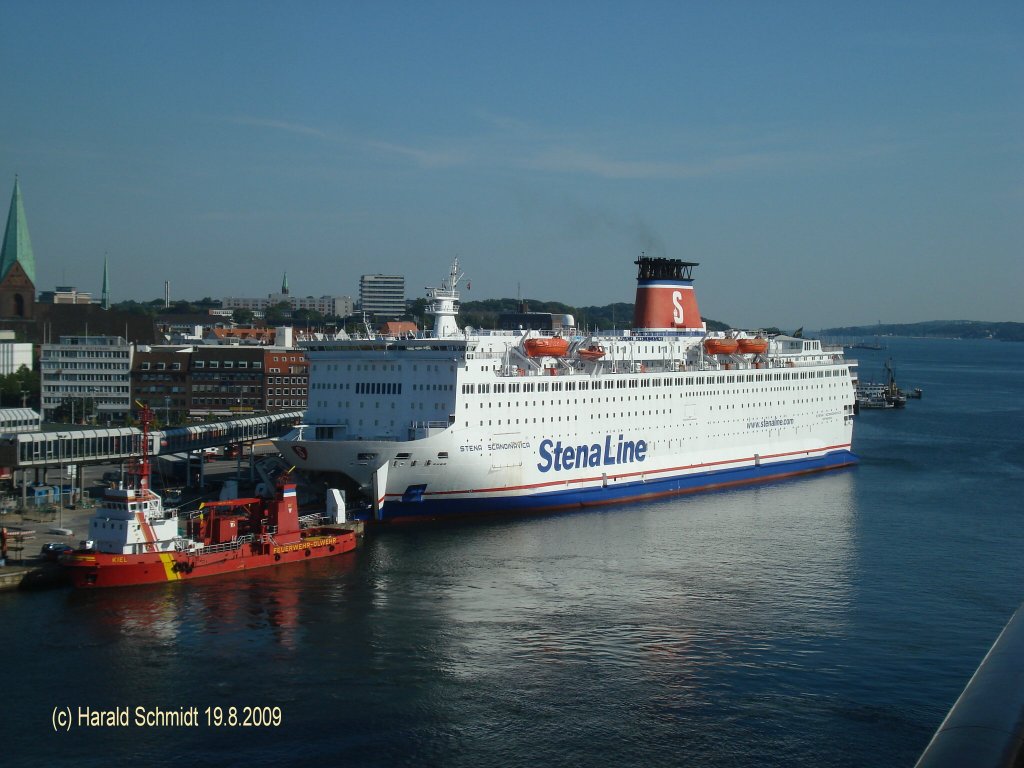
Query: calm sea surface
column 828, row 620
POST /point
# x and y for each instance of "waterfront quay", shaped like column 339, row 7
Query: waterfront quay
column 29, row 529
column 38, row 513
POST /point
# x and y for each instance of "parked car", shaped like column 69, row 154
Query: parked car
column 52, row 550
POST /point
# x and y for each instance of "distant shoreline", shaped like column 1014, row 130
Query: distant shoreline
column 934, row 329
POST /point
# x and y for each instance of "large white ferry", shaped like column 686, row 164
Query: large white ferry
column 461, row 422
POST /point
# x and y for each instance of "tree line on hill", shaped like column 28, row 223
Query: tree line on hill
column 478, row 314
column 485, row 313
column 279, row 314
column 945, row 329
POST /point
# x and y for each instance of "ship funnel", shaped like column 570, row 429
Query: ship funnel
column 664, row 296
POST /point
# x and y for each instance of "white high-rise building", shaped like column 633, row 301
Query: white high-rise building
column 89, row 374
column 382, row 295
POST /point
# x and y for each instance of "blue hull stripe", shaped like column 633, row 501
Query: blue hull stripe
column 408, row 509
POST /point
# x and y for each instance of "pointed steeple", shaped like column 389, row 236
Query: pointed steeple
column 105, row 295
column 284, row 284
column 17, row 247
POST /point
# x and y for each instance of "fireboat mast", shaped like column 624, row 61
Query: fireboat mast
column 140, row 467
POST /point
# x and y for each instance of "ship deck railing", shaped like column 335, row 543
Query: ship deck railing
column 311, row 520
column 267, row 537
column 421, row 429
column 184, row 545
column 707, row 364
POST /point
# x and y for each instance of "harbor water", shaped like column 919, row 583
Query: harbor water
column 830, row 619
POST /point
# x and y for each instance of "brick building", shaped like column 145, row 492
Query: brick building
column 287, row 380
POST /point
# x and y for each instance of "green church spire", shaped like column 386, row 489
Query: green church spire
column 284, row 284
column 105, row 296
column 17, row 247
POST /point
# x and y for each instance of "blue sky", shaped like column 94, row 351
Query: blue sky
column 825, row 163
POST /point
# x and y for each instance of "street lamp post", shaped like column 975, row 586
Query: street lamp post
column 60, row 481
column 89, row 416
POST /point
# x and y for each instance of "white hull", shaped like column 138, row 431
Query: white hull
column 495, row 450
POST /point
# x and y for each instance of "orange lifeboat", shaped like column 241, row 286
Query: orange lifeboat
column 756, row 346
column 547, row 346
column 721, row 346
column 593, row 352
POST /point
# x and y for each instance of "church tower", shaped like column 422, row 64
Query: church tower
column 17, row 264
column 105, row 295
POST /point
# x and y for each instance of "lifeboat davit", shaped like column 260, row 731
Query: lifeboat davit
column 756, row 346
column 721, row 346
column 593, row 352
column 547, row 346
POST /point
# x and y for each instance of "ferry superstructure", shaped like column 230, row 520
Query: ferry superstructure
column 462, row 422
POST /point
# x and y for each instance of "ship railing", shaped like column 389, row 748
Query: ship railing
column 481, row 332
column 484, row 355
column 421, row 429
column 267, row 537
column 311, row 520
column 226, row 546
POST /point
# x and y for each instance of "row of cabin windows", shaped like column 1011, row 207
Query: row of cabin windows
column 622, row 383
column 256, row 364
column 366, row 388
column 609, row 416
column 630, row 398
column 378, row 387
column 375, row 367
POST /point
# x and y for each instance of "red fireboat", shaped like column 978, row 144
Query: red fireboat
column 133, row 539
